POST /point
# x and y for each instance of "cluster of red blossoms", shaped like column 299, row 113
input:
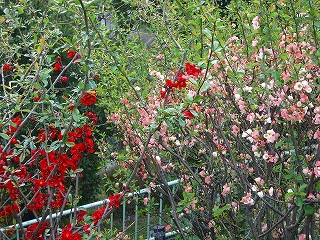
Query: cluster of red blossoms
column 6, row 67
column 181, row 82
column 191, row 71
column 44, row 171
column 89, row 98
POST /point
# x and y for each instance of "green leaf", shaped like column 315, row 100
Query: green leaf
column 92, row 84
column 5, row 136
column 309, row 209
column 302, row 187
column 170, row 110
column 318, row 186
column 70, row 144
column 204, row 87
column 76, row 114
column 299, row 202
column 289, row 194
column 182, row 123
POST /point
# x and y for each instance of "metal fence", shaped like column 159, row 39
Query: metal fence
column 145, row 230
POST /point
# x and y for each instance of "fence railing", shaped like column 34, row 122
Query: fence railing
column 125, row 226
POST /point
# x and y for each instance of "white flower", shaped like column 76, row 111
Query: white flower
column 265, row 156
column 237, row 97
column 247, row 89
column 268, row 120
column 304, row 83
column 260, row 194
column 308, row 89
column 137, row 88
column 254, row 188
column 271, row 191
column 298, row 86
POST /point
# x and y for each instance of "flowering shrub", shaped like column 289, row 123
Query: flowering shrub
column 47, row 123
column 240, row 129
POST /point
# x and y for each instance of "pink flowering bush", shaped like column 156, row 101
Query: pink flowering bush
column 237, row 122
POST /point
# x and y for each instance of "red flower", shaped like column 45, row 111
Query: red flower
column 80, row 215
column 114, row 200
column 6, row 67
column 14, row 141
column 58, row 59
column 180, row 83
column 37, row 97
column 10, row 209
column 86, row 228
column 97, row 215
column 57, row 66
column 191, row 69
column 14, row 125
column 93, row 117
column 89, row 145
column 163, row 93
column 172, row 84
column 89, row 98
column 71, row 53
column 68, row 234
column 63, row 79
column 188, row 114
column 31, row 229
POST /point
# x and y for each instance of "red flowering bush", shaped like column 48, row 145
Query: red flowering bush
column 46, row 136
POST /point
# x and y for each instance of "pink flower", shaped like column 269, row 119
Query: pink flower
column 270, row 136
column 247, row 199
column 168, row 227
column 145, row 201
column 254, row 43
column 316, row 169
column 302, row 237
column 160, row 56
column 188, row 189
column 255, row 23
column 235, row 129
column 250, row 117
column 226, row 189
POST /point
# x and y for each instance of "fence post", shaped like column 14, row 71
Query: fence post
column 159, row 232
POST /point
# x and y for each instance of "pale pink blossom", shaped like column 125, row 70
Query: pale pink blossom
column 255, row 23
column 270, row 136
column 247, row 199
column 168, row 227
column 316, row 169
column 226, row 189
column 302, row 237
column 159, row 56
column 250, row 117
column 188, row 189
column 254, row 43
column 207, row 179
column 235, row 129
column 145, row 201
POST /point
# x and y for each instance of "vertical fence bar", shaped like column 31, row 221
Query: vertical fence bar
column 148, row 219
column 136, row 219
column 124, row 216
column 111, row 221
column 160, row 209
